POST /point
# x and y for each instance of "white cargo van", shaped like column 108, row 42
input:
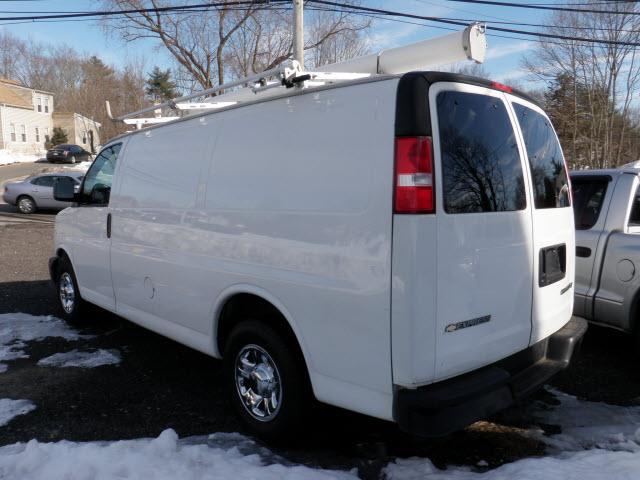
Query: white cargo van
column 400, row 246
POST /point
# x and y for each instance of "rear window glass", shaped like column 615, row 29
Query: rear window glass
column 588, row 196
column 549, row 177
column 46, row 181
column 481, row 168
column 634, row 217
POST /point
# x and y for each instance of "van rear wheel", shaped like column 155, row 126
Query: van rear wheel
column 72, row 305
column 266, row 383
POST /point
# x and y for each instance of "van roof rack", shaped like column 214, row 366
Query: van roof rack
column 468, row 44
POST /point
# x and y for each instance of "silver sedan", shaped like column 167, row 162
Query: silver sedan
column 36, row 191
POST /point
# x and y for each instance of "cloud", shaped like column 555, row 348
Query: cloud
column 504, row 51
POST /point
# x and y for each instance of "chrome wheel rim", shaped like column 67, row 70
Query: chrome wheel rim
column 25, row 205
column 67, row 292
column 258, row 383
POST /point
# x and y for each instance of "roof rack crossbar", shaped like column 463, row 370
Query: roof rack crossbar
column 467, row 44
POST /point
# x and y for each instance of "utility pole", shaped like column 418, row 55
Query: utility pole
column 298, row 32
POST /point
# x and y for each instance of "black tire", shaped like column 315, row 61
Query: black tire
column 64, row 273
column 26, row 204
column 296, row 398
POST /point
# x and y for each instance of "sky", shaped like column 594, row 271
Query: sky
column 503, row 61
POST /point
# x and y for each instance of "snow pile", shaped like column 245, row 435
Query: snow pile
column 18, row 328
column 82, row 166
column 221, row 456
column 597, row 441
column 586, row 465
column 77, row 358
column 588, row 424
column 6, row 157
column 12, row 408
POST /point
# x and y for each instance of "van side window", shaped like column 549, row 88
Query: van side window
column 481, row 166
column 588, row 196
column 548, row 174
column 96, row 188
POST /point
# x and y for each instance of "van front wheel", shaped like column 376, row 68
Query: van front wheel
column 266, row 383
column 72, row 305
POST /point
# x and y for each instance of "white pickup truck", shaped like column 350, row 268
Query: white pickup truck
column 607, row 217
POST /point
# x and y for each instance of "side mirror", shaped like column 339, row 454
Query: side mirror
column 64, row 189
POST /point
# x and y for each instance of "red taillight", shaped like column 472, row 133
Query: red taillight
column 502, row 87
column 414, row 175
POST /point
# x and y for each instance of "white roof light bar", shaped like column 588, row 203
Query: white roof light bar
column 469, row 44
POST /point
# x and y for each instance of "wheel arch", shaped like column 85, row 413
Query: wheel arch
column 633, row 312
column 246, row 301
column 23, row 195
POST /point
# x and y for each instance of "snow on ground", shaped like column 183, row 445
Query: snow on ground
column 18, row 328
column 586, row 465
column 220, row 456
column 7, row 158
column 588, row 425
column 12, row 408
column 84, row 166
column 82, row 359
column 597, row 441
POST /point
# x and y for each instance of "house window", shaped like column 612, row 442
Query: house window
column 13, row 132
column 46, row 134
column 39, row 103
column 84, row 138
column 38, row 134
column 23, row 133
column 46, row 104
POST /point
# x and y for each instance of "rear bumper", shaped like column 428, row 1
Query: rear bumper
column 451, row 405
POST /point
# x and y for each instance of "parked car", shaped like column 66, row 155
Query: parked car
column 36, row 191
column 402, row 249
column 607, row 217
column 68, row 153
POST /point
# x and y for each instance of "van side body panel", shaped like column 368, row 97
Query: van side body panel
column 265, row 201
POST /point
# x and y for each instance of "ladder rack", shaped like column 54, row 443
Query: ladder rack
column 468, row 44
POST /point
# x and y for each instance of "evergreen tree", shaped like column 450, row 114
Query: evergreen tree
column 159, row 85
column 59, row 136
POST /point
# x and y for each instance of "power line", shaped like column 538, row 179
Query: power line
column 456, row 22
column 109, row 13
column 544, row 7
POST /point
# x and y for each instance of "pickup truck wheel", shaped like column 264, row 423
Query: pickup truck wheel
column 267, row 385
column 72, row 305
column 26, row 205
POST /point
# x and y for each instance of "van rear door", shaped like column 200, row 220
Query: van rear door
column 553, row 222
column 485, row 264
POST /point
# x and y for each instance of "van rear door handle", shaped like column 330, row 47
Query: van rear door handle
column 108, row 225
column 584, row 252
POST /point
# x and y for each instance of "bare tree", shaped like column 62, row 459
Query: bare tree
column 215, row 43
column 604, row 76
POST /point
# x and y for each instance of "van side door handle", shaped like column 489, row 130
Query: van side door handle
column 583, row 252
column 108, row 225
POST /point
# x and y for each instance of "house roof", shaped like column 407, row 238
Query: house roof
column 12, row 94
column 63, row 114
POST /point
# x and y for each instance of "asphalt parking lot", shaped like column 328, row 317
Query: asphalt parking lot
column 160, row 384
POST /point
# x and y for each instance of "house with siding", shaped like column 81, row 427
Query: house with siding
column 26, row 118
column 80, row 130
